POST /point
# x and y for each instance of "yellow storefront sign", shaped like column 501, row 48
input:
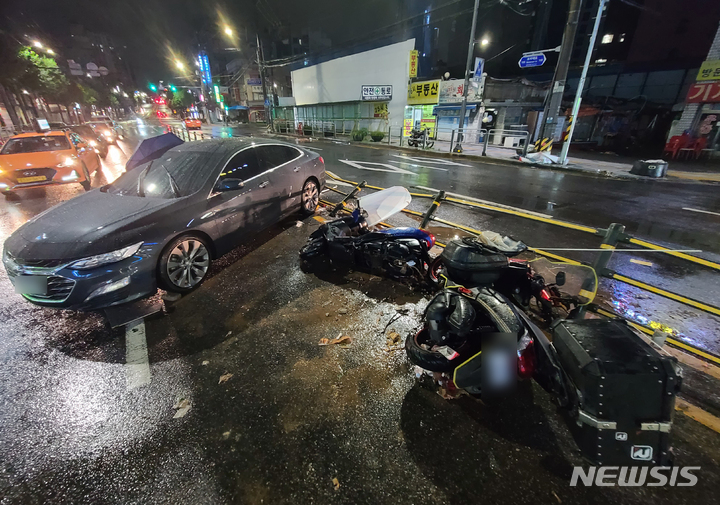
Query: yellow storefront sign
column 381, row 110
column 413, row 63
column 424, row 92
column 709, row 71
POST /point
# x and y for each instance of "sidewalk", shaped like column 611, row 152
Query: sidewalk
column 608, row 165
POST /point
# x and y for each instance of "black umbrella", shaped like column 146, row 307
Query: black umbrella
column 152, row 148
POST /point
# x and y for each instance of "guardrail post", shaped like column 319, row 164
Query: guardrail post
column 194, row 135
column 486, row 139
column 526, row 146
column 389, row 134
column 338, row 207
column 436, row 203
column 424, row 139
column 452, row 138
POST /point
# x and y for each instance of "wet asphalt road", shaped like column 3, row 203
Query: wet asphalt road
column 75, row 427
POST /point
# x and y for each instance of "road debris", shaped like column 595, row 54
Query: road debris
column 336, row 483
column 342, row 341
column 226, row 435
column 393, row 337
column 182, row 406
column 342, row 311
column 299, row 224
column 225, row 378
column 205, row 363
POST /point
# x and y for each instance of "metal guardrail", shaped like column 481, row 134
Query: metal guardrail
column 613, row 235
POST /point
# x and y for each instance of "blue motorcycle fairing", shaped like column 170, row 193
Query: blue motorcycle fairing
column 408, row 232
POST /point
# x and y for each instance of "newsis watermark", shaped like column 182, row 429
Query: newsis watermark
column 682, row 476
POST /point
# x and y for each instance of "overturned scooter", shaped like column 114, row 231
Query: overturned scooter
column 353, row 242
column 617, row 388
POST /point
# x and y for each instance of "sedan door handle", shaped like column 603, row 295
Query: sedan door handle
column 264, row 184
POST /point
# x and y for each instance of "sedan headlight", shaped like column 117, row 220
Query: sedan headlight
column 106, row 258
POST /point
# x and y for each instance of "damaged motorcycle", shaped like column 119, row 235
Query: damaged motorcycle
column 353, row 242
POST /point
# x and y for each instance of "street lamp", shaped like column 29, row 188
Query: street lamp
column 228, row 31
column 50, row 51
column 37, row 44
column 179, row 64
column 485, row 41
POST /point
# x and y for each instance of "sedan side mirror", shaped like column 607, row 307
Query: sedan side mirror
column 229, row 184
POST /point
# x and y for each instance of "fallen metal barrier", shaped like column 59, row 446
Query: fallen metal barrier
column 612, row 235
column 557, row 222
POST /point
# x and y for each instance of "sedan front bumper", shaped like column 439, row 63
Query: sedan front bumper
column 74, row 289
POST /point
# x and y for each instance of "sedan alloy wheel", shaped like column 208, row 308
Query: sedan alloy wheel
column 310, row 197
column 188, row 264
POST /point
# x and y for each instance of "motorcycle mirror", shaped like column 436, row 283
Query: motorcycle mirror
column 560, row 279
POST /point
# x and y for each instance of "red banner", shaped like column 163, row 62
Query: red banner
column 704, row 92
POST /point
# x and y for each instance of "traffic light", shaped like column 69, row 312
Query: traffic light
column 152, row 87
column 173, row 88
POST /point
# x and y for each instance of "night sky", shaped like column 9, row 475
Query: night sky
column 149, row 27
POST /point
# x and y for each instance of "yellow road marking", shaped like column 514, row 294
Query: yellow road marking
column 699, row 415
column 319, row 219
column 667, row 294
column 682, row 255
column 641, row 262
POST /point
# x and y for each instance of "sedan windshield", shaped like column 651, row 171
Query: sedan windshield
column 36, row 145
column 188, row 171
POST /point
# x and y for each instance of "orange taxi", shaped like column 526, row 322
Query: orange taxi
column 193, row 124
column 40, row 159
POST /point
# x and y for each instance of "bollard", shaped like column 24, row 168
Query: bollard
column 202, row 136
column 614, row 233
column 486, row 139
column 389, row 136
column 350, row 195
column 452, row 138
column 436, row 203
column 194, row 135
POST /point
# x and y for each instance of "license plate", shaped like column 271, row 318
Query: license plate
column 31, row 285
column 32, row 179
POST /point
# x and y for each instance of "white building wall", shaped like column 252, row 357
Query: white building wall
column 341, row 79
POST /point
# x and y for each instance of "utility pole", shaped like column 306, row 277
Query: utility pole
column 581, row 84
column 552, row 106
column 261, row 68
column 471, row 51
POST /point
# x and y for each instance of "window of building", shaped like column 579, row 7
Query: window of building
column 607, row 38
column 600, row 61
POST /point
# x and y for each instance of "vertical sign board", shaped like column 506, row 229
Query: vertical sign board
column 413, row 63
column 479, row 67
column 205, row 69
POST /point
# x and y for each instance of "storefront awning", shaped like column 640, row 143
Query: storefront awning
column 455, row 107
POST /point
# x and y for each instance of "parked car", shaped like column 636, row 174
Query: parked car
column 41, row 159
column 97, row 142
column 160, row 224
column 193, row 123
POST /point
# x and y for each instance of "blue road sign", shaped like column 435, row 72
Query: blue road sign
column 532, row 60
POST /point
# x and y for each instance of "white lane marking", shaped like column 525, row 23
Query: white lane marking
column 418, row 164
column 137, row 365
column 439, row 161
column 488, row 202
column 702, row 211
column 388, row 167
